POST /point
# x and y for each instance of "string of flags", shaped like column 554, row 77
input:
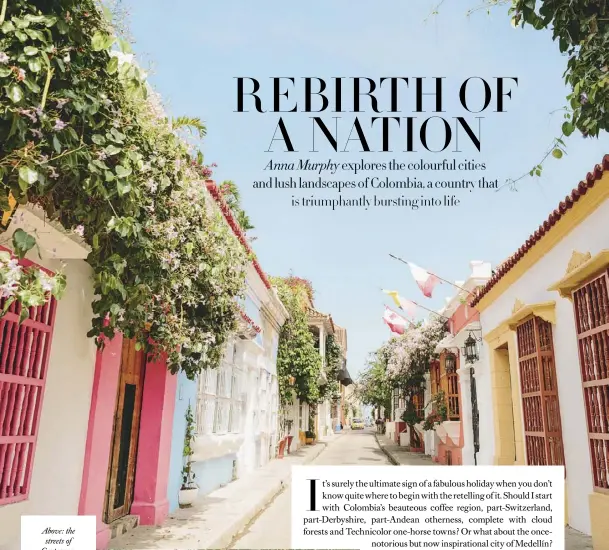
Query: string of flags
column 410, row 308
column 426, row 281
column 396, row 323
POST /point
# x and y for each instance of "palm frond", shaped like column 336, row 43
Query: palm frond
column 193, row 125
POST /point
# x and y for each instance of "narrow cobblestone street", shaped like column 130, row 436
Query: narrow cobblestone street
column 271, row 529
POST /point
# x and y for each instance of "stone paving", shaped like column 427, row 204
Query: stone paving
column 401, row 456
column 254, row 512
column 574, row 540
column 215, row 519
column 272, row 528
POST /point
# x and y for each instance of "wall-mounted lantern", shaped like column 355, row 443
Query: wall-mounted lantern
column 450, row 363
column 470, row 349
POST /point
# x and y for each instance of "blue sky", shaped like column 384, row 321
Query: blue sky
column 198, row 48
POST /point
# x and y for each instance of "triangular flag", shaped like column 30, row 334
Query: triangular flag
column 395, row 322
column 410, row 308
column 426, row 281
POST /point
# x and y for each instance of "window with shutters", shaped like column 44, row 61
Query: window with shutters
column 591, row 305
column 434, row 373
column 419, row 404
column 263, row 396
column 452, row 396
column 274, row 404
column 396, row 401
column 540, row 405
column 221, row 397
column 24, row 359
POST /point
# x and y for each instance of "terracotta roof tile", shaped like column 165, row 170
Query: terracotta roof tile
column 579, row 191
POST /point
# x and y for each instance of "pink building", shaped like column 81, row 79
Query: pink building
column 77, row 424
column 126, row 467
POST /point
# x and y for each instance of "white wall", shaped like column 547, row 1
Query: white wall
column 467, row 452
column 62, row 433
column 592, row 236
column 485, row 407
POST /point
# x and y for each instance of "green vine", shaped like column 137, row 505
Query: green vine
column 299, row 284
column 298, row 361
column 188, row 476
column 334, row 356
column 83, row 136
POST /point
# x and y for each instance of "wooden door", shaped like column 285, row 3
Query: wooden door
column 121, row 473
column 540, row 405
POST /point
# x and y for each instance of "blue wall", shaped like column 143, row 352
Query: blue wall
column 212, row 474
column 186, row 393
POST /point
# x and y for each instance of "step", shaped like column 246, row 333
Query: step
column 123, row 525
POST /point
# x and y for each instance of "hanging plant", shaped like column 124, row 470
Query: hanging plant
column 188, row 476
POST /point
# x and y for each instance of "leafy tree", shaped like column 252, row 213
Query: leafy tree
column 581, row 29
column 402, row 363
column 374, row 386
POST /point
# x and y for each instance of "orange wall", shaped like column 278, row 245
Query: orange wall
column 464, row 315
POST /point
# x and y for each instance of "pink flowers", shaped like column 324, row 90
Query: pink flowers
column 28, row 113
column 80, row 230
column 217, row 196
column 59, row 125
column 247, row 319
column 205, row 172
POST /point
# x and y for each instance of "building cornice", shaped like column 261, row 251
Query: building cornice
column 520, row 311
column 576, row 207
column 582, row 267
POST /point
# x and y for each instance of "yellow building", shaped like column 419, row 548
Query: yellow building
column 545, row 321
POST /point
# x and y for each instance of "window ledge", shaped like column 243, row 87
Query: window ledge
column 54, row 242
column 208, row 446
column 544, row 310
column 582, row 267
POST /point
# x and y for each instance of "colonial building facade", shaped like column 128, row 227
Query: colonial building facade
column 235, row 406
column 544, row 319
column 453, row 377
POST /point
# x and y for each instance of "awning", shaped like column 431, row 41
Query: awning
column 446, row 343
column 344, row 377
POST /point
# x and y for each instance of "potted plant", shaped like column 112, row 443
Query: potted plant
column 309, row 437
column 290, row 436
column 282, row 445
column 189, row 491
